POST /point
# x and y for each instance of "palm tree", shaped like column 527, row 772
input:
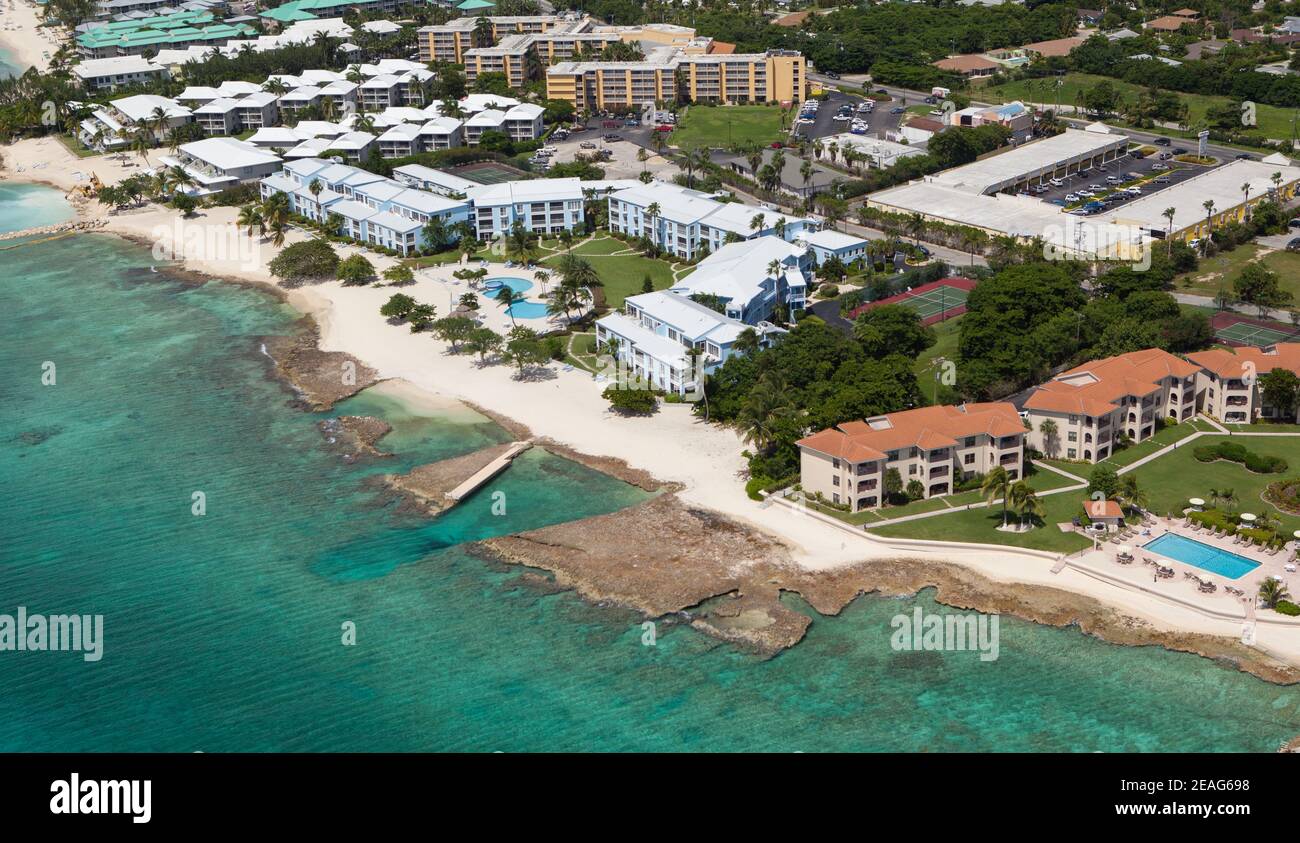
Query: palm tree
column 757, row 222
column 140, row 144
column 766, row 407
column 1050, row 442
column 1131, row 494
column 806, row 173
column 1025, row 500
column 652, row 211
column 278, row 228
column 1208, row 205
column 542, row 277
column 1245, row 189
column 507, row 298
column 1272, row 591
column 1228, row 498
column 435, row 232
column 1276, row 179
column 997, row 484
column 746, row 341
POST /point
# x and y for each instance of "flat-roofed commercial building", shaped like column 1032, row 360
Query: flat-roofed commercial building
column 935, row 446
column 449, row 41
column 1020, row 167
column 1222, row 185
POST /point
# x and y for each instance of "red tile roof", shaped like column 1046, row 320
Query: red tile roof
column 925, row 427
column 966, row 64
column 1094, row 388
column 1102, row 509
column 1230, row 363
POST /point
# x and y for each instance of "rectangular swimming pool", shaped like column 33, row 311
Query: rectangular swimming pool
column 1204, row 556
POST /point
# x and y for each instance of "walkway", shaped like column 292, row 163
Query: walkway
column 488, row 471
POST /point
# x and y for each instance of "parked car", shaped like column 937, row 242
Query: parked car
column 611, row 138
column 1160, row 166
column 587, row 145
column 898, row 109
column 1294, row 223
column 1057, row 183
column 1113, row 179
column 1071, row 197
column 1245, row 156
column 1133, row 191
column 931, row 100
column 1163, row 180
column 1178, row 150
column 1293, row 245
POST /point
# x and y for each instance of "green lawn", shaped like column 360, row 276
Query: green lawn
column 1222, row 269
column 1133, row 453
column 623, row 274
column 726, row 126
column 948, row 334
column 979, row 525
column 76, row 147
column 1177, row 476
column 1274, row 122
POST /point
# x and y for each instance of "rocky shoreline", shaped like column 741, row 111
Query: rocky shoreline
column 426, row 486
column 320, row 378
column 355, row 436
column 663, row 557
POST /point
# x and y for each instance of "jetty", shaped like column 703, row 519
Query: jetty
column 487, row 472
column 50, row 232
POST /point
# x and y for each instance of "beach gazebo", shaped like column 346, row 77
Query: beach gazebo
column 1107, row 513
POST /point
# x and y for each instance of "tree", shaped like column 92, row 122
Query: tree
column 455, row 330
column 1131, row 495
column 768, row 404
column 397, row 307
column 399, row 275
column 915, row 490
column 997, row 484
column 309, row 260
column 483, row 341
column 421, row 317
column 1280, row 389
column 640, row 402
column 250, row 218
column 893, row 484
column 355, row 271
column 1272, row 591
column 1025, row 501
column 893, row 329
column 1051, row 437
column 1260, row 286
column 508, row 298
column 1104, row 479
column 523, row 349
column 184, row 203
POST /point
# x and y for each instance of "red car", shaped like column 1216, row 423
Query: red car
column 663, row 128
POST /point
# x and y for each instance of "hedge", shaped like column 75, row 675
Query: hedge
column 1231, row 451
column 1286, row 607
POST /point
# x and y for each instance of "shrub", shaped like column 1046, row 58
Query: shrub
column 310, row 259
column 755, row 486
column 630, row 401
column 1286, row 607
column 1233, row 452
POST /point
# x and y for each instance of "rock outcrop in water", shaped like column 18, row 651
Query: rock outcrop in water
column 427, row 485
column 322, row 378
column 355, row 436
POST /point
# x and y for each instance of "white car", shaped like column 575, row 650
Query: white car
column 1133, row 191
column 1071, row 197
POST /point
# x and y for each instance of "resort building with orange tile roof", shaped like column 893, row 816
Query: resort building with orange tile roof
column 1228, row 384
column 1094, row 406
column 936, row 446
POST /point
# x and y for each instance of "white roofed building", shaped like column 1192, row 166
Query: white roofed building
column 217, row 164
column 751, row 279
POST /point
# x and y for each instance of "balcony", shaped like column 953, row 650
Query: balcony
column 1009, row 459
column 939, row 471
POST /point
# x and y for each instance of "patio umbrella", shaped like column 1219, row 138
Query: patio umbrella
column 1125, row 549
column 1198, row 503
column 1247, row 516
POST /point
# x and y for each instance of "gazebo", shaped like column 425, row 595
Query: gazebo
column 1107, row 513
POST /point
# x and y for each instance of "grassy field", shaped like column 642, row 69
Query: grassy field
column 1222, row 269
column 948, row 334
column 1274, row 122
column 724, row 126
column 623, row 274
column 980, row 525
column 1176, row 476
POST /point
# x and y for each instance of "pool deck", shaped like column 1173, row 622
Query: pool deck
column 1183, row 586
column 490, row 314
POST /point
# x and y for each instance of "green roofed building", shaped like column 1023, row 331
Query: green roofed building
column 163, row 32
column 297, row 10
column 476, row 5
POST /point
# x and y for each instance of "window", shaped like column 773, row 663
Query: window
column 835, row 481
column 968, row 459
column 1072, row 453
column 1072, row 436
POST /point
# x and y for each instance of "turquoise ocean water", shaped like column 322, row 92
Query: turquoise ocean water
column 25, row 206
column 222, row 632
column 9, row 64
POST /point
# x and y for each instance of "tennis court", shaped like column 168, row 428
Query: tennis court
column 936, row 301
column 1234, row 329
column 486, row 173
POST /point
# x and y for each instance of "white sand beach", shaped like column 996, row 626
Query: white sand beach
column 22, row 37
column 673, row 445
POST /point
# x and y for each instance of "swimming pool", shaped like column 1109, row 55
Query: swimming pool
column 1212, row 559
column 520, row 309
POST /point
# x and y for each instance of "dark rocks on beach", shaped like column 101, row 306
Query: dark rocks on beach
column 321, row 378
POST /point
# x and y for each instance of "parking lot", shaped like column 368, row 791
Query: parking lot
column 824, row 124
column 1095, row 180
column 623, row 163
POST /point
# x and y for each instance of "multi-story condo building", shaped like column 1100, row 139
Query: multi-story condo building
column 750, row 280
column 115, row 124
column 1095, row 405
column 513, row 57
column 655, row 334
column 935, row 446
column 687, row 223
column 100, row 74
column 773, row 76
column 599, row 85
column 448, row 42
column 368, row 207
column 217, row 164
column 1228, row 383
column 543, row 206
